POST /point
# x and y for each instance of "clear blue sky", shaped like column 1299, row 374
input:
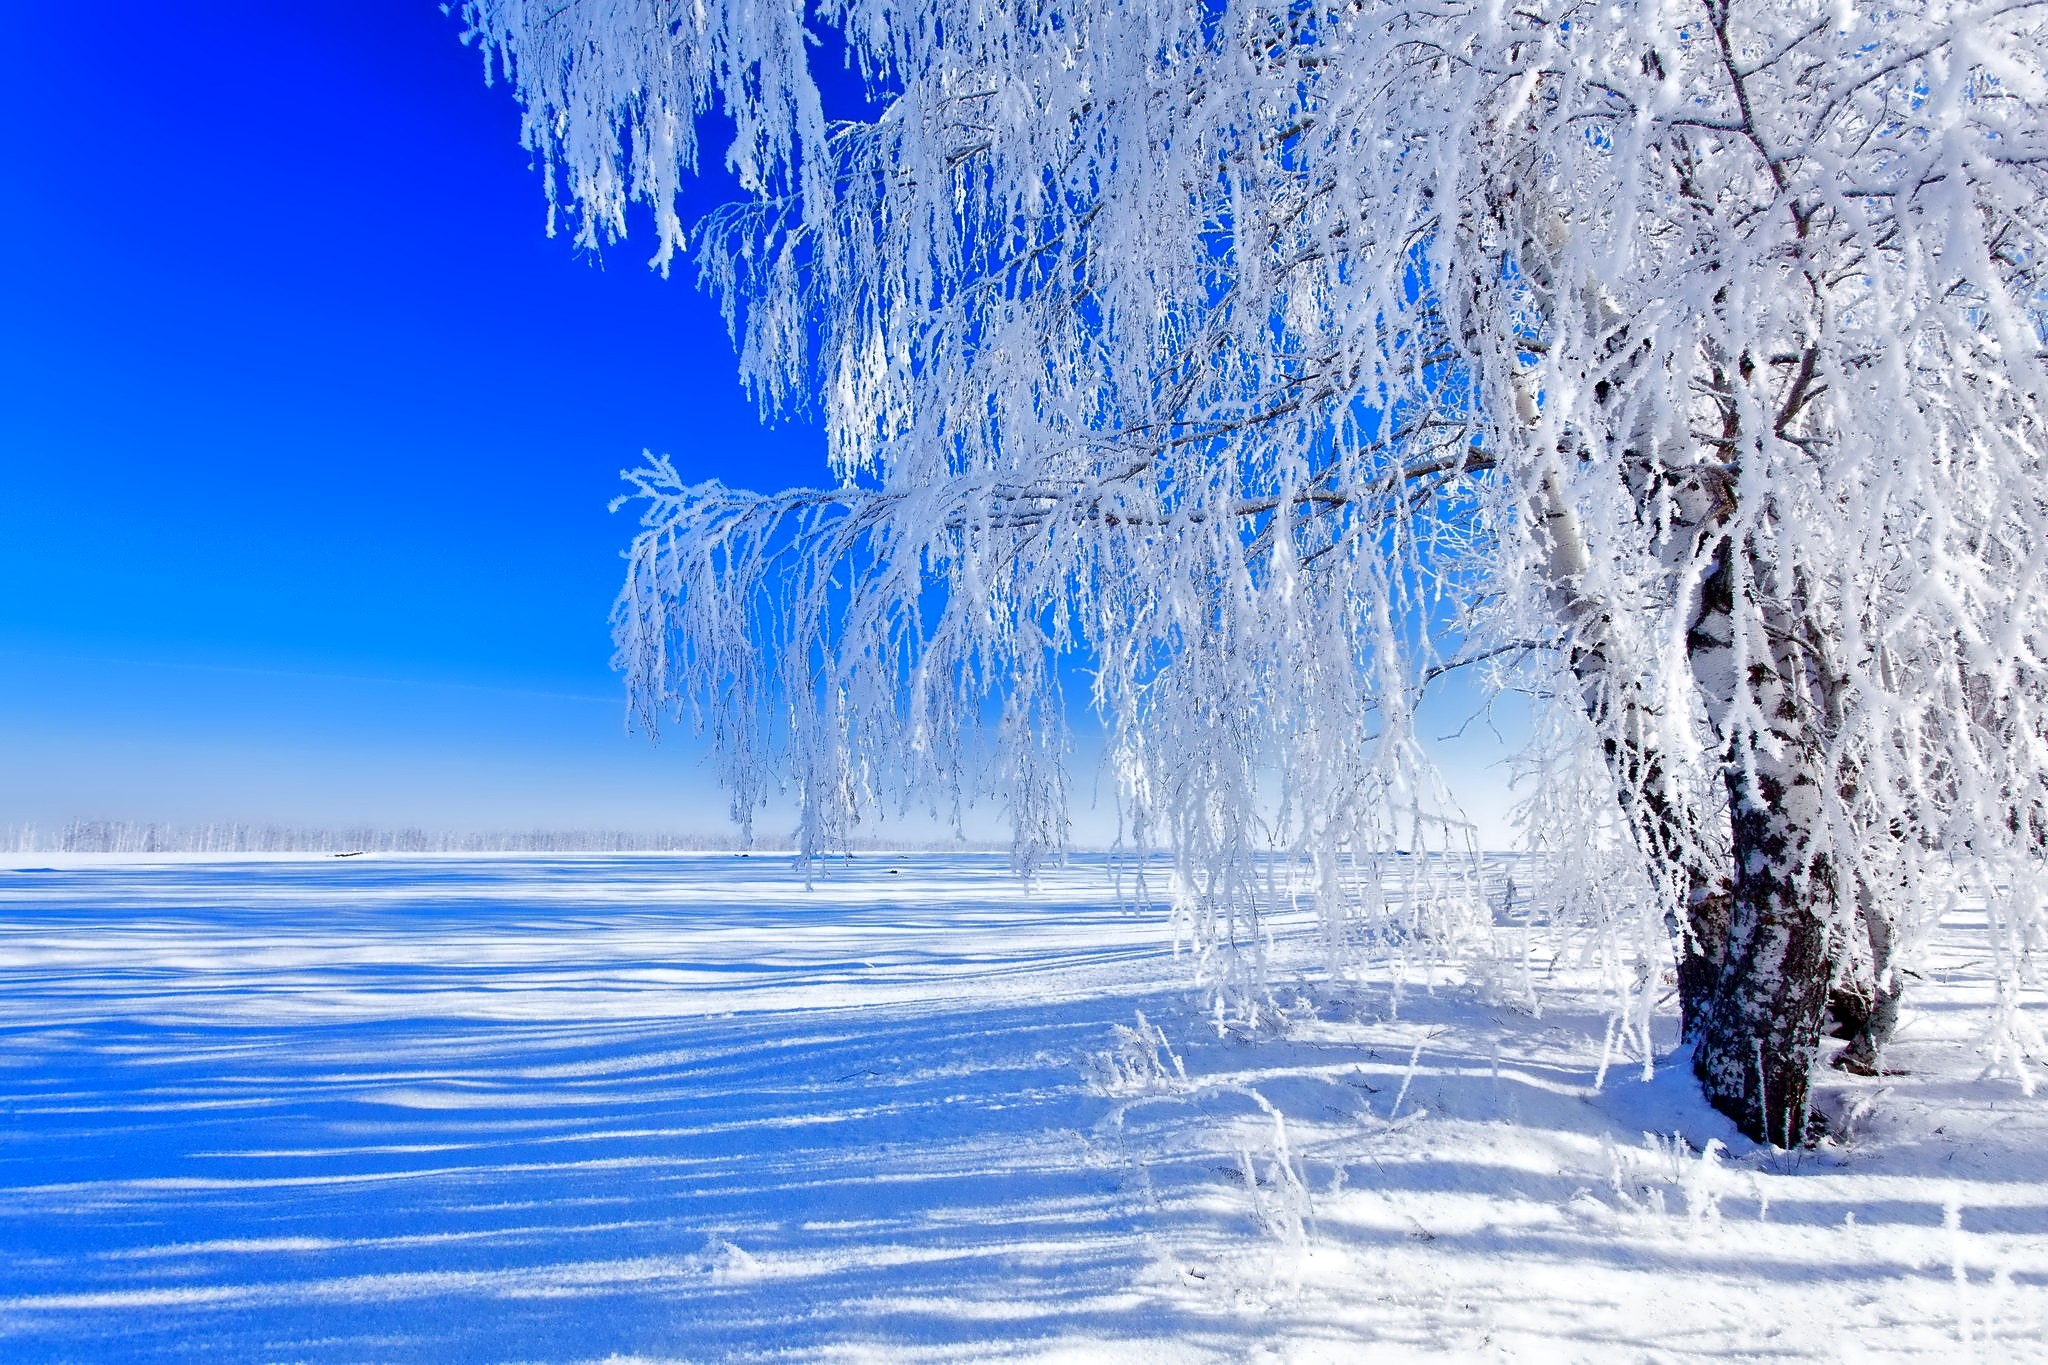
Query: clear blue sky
column 308, row 430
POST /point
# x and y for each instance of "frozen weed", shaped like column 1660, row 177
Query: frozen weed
column 1277, row 1185
column 1139, row 1061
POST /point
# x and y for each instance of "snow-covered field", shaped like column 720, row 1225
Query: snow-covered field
column 679, row 1107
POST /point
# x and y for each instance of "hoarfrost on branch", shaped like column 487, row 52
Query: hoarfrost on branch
column 1681, row 363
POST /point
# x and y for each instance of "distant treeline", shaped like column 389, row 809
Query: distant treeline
column 135, row 836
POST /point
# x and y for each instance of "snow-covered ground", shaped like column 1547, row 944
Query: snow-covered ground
column 679, row 1107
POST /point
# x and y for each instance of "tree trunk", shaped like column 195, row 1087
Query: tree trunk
column 1755, row 953
column 1755, row 1052
column 1759, row 1024
column 1866, row 1008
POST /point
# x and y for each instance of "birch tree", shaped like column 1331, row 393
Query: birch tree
column 1682, row 361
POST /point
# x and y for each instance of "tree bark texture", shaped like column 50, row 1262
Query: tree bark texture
column 1759, row 1035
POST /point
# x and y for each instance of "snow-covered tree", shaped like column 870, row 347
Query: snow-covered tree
column 1682, row 361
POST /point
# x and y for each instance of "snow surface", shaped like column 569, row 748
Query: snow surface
column 559, row 1108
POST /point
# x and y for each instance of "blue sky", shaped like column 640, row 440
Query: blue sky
column 308, row 433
